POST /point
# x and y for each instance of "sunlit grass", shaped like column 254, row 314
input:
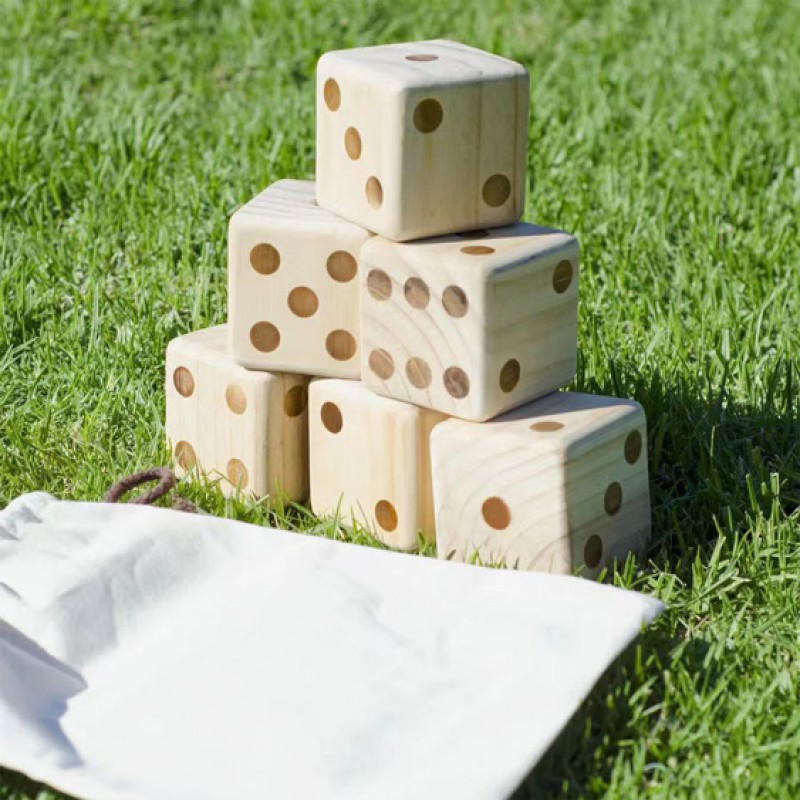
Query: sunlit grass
column 665, row 135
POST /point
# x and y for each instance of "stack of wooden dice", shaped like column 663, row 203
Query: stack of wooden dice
column 431, row 320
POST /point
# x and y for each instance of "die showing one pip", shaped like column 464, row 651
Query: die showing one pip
column 421, row 139
column 370, row 460
column 293, row 288
column 249, row 428
column 470, row 325
column 553, row 486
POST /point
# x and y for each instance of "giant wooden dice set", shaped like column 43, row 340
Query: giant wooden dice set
column 412, row 384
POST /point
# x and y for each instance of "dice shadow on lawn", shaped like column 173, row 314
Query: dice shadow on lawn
column 710, row 459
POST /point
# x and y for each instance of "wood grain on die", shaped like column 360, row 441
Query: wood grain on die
column 370, row 460
column 421, row 139
column 293, row 291
column 557, row 485
column 470, row 327
column 248, row 429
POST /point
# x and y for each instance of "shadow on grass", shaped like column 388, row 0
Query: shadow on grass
column 715, row 467
column 577, row 764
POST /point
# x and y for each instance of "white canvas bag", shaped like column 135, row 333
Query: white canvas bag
column 147, row 653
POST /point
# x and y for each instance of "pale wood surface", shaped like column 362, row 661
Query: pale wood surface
column 440, row 127
column 375, row 468
column 546, row 498
column 293, row 302
column 494, row 318
column 246, row 428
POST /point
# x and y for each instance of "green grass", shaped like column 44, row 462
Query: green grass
column 664, row 134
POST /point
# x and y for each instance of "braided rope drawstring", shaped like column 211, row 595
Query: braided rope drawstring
column 166, row 483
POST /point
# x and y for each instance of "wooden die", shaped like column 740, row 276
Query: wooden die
column 421, row 139
column 470, row 325
column 556, row 485
column 370, row 460
column 249, row 428
column 293, row 301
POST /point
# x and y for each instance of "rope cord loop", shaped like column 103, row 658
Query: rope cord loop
column 166, row 482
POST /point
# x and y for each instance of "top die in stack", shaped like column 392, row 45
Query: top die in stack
column 421, row 139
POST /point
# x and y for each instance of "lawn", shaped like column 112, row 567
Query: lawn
column 665, row 135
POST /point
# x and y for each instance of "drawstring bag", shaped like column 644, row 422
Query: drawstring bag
column 150, row 653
